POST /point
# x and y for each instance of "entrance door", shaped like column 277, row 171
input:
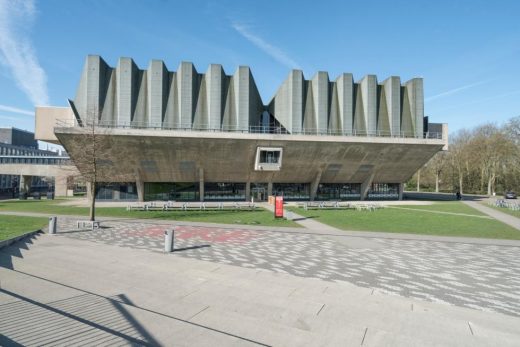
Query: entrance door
column 259, row 191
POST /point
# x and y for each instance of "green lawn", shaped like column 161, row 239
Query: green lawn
column 11, row 226
column 405, row 220
column 258, row 217
column 445, row 206
column 505, row 210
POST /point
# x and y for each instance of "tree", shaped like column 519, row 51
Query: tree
column 492, row 149
column 459, row 156
column 485, row 159
column 437, row 165
column 90, row 148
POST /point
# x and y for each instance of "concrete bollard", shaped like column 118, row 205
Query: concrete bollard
column 53, row 225
column 169, row 240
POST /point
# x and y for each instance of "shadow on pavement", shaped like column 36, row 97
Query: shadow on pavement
column 81, row 319
column 191, row 247
column 85, row 319
column 15, row 250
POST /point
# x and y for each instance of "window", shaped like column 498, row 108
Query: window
column 224, row 191
column 339, row 191
column 188, row 191
column 268, row 159
column 292, row 191
column 384, row 191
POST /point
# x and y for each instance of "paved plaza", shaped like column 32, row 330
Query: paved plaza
column 483, row 277
column 258, row 286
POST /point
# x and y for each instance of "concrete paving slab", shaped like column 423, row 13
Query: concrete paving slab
column 176, row 299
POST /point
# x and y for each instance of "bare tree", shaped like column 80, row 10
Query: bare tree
column 91, row 152
column 485, row 159
column 492, row 149
column 459, row 158
column 437, row 165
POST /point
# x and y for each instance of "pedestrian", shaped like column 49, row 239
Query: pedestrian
column 459, row 196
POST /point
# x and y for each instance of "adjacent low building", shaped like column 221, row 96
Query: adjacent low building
column 25, row 168
column 185, row 135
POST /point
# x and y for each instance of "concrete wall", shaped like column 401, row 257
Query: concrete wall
column 179, row 156
column 46, row 118
column 344, row 107
column 156, row 97
column 18, row 137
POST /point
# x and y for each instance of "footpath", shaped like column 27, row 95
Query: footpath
column 309, row 225
column 500, row 216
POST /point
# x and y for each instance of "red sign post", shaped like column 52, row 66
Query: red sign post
column 278, row 207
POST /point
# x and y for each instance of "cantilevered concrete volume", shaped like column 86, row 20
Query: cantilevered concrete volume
column 210, row 134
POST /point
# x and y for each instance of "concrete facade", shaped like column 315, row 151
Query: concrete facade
column 18, row 137
column 158, row 98
column 25, row 168
column 343, row 107
column 184, row 126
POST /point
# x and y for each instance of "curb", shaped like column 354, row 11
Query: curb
column 8, row 242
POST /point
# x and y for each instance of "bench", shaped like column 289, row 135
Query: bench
column 339, row 205
column 321, row 205
column 187, row 206
column 85, row 223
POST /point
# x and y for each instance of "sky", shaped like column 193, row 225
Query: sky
column 467, row 52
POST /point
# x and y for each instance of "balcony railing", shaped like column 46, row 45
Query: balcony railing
column 34, row 160
column 255, row 129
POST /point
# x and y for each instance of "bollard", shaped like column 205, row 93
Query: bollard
column 52, row 225
column 168, row 240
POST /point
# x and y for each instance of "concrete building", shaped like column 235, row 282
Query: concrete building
column 18, row 137
column 185, row 135
column 24, row 167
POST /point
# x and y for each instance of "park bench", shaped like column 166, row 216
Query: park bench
column 91, row 224
column 190, row 206
column 242, row 206
column 321, row 205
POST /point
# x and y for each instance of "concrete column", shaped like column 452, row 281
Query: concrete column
column 401, row 190
column 60, row 186
column 368, row 89
column 248, row 191
column 201, row 184
column 116, row 195
column 419, row 180
column 314, row 185
column 365, row 186
column 140, row 190
column 445, row 136
column 25, row 183
column 269, row 188
column 21, row 182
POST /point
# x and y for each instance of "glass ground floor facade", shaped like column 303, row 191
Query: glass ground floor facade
column 238, row 191
column 116, row 191
column 339, row 191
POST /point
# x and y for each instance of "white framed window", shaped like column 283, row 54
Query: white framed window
column 268, row 158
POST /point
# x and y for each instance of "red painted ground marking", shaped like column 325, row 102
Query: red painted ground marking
column 218, row 235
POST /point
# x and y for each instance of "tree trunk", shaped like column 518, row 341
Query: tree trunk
column 419, row 180
column 436, row 182
column 482, row 179
column 490, row 184
column 92, row 214
column 460, row 182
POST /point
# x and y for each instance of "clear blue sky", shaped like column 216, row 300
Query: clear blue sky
column 468, row 52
